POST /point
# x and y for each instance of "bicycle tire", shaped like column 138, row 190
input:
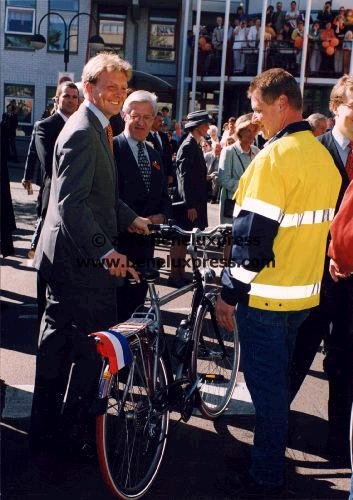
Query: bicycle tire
column 132, row 433
column 208, row 358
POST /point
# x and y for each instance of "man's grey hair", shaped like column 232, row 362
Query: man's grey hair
column 315, row 118
column 140, row 96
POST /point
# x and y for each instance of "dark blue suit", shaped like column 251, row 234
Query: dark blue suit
column 133, row 192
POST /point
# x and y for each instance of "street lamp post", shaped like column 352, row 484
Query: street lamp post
column 38, row 41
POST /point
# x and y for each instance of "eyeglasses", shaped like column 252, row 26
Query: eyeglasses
column 137, row 118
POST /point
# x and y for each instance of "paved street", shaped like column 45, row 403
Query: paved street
column 197, row 452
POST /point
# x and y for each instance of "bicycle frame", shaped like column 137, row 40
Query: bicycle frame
column 152, row 349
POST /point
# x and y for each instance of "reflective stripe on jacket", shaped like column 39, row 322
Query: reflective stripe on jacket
column 284, row 204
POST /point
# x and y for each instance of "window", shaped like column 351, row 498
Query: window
column 161, row 39
column 56, row 32
column 19, row 24
column 22, row 98
column 71, row 5
column 21, row 3
column 49, row 95
column 112, row 30
column 19, row 21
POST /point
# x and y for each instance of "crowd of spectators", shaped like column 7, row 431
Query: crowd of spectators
column 330, row 41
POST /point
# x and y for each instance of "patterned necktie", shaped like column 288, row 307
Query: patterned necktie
column 144, row 165
column 109, row 132
column 349, row 162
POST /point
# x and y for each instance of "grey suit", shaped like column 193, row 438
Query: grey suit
column 83, row 217
column 84, row 211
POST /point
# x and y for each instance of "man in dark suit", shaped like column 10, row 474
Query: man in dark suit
column 162, row 144
column 77, row 256
column 142, row 186
column 66, row 103
column 332, row 320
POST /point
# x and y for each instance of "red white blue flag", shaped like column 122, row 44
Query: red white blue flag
column 114, row 346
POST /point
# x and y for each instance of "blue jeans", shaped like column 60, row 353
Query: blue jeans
column 351, row 495
column 267, row 341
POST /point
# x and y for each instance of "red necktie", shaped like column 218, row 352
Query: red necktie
column 349, row 162
column 109, row 132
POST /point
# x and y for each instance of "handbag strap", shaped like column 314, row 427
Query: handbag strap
column 239, row 158
column 241, row 163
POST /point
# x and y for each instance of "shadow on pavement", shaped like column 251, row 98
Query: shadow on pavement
column 194, row 460
column 18, row 324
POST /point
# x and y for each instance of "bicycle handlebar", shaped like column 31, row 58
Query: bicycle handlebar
column 171, row 228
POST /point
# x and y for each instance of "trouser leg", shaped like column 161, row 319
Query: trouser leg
column 129, row 298
column 70, row 315
column 310, row 335
column 267, row 342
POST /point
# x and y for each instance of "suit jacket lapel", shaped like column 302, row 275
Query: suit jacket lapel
column 102, row 135
column 334, row 152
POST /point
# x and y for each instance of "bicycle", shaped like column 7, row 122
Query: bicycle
column 133, row 429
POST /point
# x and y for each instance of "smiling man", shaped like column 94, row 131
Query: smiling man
column 284, row 203
column 78, row 237
column 142, row 186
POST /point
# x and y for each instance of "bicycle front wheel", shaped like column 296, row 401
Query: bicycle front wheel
column 132, row 434
column 215, row 361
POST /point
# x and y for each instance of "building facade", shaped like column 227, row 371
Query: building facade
column 158, row 38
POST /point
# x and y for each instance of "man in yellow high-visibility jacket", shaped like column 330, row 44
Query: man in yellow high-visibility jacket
column 284, row 205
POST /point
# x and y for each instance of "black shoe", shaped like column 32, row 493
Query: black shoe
column 252, row 489
column 48, row 466
column 244, row 486
column 338, row 449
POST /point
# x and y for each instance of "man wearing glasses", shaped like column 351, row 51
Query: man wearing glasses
column 142, row 186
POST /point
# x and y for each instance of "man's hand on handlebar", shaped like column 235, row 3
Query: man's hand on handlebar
column 139, row 226
column 157, row 218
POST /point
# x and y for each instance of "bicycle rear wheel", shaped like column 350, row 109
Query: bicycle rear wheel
column 215, row 360
column 132, row 434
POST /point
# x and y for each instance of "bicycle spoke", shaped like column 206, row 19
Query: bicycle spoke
column 135, row 433
column 215, row 361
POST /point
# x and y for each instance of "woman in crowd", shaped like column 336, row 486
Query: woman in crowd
column 229, row 130
column 191, row 210
column 213, row 133
column 315, row 48
column 327, row 35
column 235, row 160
